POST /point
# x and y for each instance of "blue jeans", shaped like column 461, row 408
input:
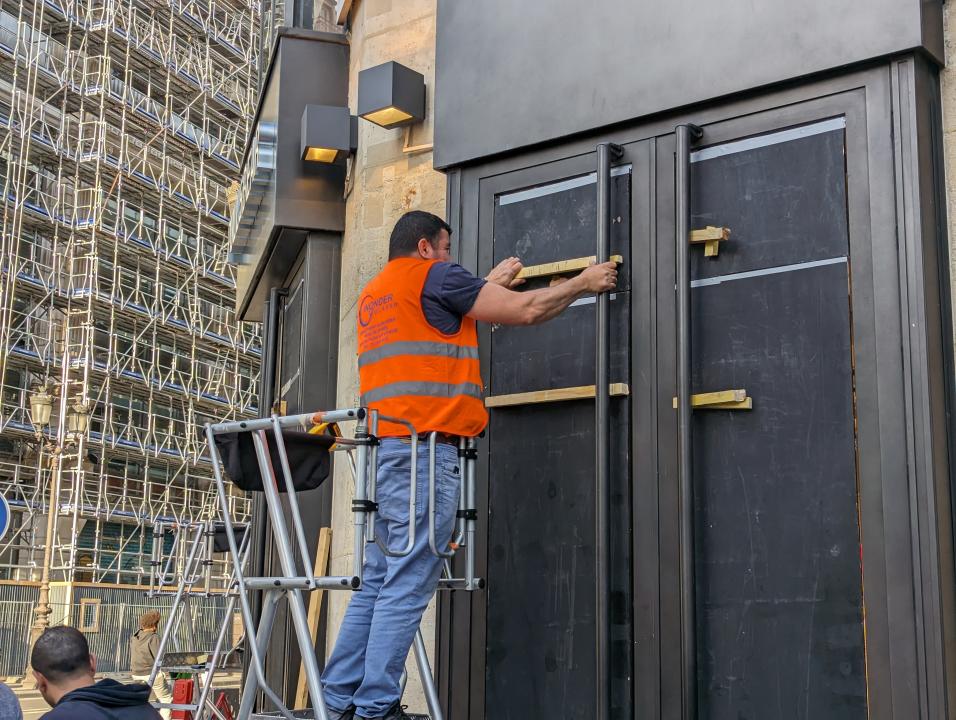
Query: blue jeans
column 382, row 618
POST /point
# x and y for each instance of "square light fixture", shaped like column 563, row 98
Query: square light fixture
column 391, row 95
column 329, row 134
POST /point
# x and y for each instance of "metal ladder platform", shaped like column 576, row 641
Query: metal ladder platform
column 258, row 454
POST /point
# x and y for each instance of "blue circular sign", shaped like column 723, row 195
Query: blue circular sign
column 4, row 516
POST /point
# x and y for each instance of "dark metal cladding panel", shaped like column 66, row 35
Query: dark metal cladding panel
column 778, row 564
column 540, row 659
column 558, row 222
column 558, row 353
column 547, row 224
column 784, row 202
column 514, row 74
column 541, row 573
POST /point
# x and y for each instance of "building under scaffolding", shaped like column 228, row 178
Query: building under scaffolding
column 122, row 125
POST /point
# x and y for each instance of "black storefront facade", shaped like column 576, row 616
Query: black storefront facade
column 799, row 563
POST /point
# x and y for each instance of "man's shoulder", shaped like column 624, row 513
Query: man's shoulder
column 73, row 711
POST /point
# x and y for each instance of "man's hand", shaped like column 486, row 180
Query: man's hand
column 504, row 273
column 599, row 278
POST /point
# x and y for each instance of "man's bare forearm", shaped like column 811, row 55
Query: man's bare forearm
column 550, row 302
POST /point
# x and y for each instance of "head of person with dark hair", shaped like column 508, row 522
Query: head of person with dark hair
column 420, row 234
column 61, row 662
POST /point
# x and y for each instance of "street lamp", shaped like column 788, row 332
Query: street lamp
column 77, row 421
column 41, row 408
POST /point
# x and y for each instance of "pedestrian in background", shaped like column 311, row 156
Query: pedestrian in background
column 143, row 648
column 65, row 672
column 9, row 705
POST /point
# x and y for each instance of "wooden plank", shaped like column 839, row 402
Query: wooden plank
column 725, row 398
column 315, row 608
column 562, row 266
column 711, row 236
column 747, row 404
column 710, row 233
column 554, row 395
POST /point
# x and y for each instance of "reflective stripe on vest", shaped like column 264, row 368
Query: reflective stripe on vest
column 422, row 389
column 439, row 349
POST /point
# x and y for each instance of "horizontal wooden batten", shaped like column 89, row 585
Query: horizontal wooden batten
column 562, row 266
column 720, row 400
column 582, row 392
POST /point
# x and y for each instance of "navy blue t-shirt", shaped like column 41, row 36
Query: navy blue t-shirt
column 449, row 293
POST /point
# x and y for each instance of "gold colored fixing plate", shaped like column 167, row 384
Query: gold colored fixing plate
column 555, row 395
column 561, row 267
column 720, row 400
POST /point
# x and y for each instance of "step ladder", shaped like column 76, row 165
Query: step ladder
column 271, row 457
column 185, row 573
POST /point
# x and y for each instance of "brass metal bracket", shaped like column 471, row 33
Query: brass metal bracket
column 711, row 237
column 556, row 395
column 562, row 266
column 720, row 400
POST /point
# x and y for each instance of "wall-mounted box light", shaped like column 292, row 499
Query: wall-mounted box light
column 391, row 95
column 329, row 134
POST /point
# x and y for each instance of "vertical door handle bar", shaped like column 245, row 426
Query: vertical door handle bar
column 606, row 153
column 686, row 135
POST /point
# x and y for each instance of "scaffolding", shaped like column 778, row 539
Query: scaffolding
column 122, row 124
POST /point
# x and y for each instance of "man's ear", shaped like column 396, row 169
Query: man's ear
column 41, row 681
column 93, row 663
column 425, row 248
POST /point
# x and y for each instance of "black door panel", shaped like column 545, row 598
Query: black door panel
column 777, row 559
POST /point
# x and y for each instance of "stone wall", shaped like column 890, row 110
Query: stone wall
column 384, row 183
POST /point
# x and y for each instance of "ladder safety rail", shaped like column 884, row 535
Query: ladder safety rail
column 412, row 492
column 432, row 542
column 372, row 477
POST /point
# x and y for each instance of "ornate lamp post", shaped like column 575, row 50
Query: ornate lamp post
column 77, row 421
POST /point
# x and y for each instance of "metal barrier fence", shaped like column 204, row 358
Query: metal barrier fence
column 108, row 629
column 16, row 619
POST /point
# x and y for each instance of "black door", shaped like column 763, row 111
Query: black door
column 540, row 612
column 777, row 556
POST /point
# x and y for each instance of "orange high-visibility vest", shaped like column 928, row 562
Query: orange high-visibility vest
column 411, row 370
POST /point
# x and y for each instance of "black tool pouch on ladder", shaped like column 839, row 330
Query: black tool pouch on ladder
column 308, row 459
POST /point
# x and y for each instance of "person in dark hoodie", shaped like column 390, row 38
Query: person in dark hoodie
column 64, row 671
column 143, row 647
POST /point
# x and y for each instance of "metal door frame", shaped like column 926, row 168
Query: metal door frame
column 901, row 330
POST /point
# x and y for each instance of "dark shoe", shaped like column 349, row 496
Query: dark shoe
column 347, row 714
column 396, row 712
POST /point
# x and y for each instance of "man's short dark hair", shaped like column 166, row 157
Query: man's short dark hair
column 60, row 653
column 412, row 227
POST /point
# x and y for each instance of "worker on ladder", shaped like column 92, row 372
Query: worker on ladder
column 418, row 360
